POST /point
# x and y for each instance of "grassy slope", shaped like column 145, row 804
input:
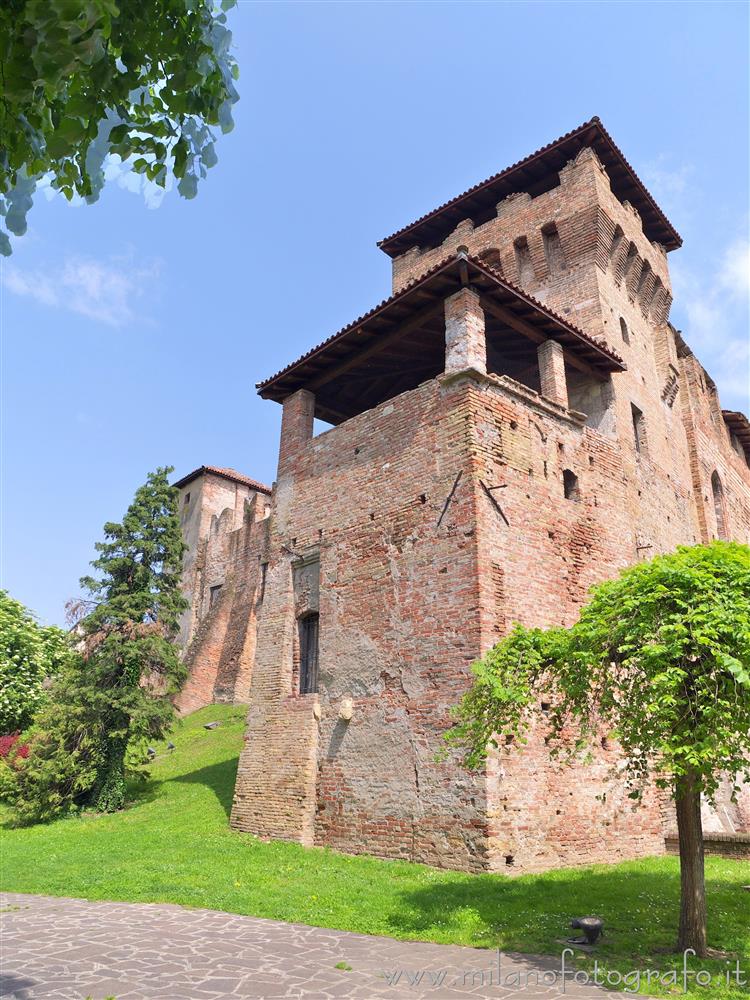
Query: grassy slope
column 174, row 845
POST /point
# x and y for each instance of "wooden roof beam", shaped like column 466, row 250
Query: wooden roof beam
column 380, row 344
column 527, row 330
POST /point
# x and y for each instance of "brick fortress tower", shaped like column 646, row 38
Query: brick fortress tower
column 517, row 422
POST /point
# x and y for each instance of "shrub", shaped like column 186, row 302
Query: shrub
column 29, row 653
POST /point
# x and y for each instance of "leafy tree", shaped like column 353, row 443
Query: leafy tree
column 29, row 653
column 83, row 79
column 661, row 658
column 119, row 694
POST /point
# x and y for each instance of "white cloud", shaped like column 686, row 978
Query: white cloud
column 105, row 291
column 671, row 186
column 734, row 275
column 713, row 309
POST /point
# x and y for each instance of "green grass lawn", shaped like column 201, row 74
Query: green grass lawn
column 173, row 844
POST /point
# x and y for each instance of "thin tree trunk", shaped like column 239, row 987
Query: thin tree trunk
column 692, row 932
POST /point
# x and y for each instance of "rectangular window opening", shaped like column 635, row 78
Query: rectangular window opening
column 308, row 654
column 553, row 250
column 523, row 260
column 639, row 430
column 213, row 594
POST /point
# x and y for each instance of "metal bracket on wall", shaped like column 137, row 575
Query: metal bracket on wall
column 488, row 490
column 449, row 497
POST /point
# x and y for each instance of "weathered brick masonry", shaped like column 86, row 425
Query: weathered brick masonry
column 223, row 520
column 516, row 423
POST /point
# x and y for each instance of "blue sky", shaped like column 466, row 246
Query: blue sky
column 133, row 335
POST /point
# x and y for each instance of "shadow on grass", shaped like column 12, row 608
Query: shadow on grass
column 219, row 778
column 640, row 910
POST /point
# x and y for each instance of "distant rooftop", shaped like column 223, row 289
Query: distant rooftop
column 231, row 474
column 533, row 175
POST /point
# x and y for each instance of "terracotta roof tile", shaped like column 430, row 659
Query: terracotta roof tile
column 654, row 220
column 424, row 279
column 231, row 474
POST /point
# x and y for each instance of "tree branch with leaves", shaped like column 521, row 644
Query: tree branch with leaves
column 82, row 82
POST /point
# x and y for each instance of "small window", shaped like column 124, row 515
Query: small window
column 624, row 331
column 186, row 501
column 639, row 430
column 646, row 287
column 553, row 250
column 617, row 239
column 213, row 595
column 523, row 260
column 263, row 575
column 308, row 654
column 630, row 260
column 491, row 258
column 718, row 494
column 570, row 485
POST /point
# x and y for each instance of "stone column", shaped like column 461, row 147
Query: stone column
column 296, row 424
column 552, row 372
column 465, row 344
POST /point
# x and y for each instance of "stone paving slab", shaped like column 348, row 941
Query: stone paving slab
column 70, row 949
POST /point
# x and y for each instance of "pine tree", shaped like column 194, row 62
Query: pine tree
column 119, row 693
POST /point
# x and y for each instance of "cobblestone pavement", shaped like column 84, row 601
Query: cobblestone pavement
column 70, row 948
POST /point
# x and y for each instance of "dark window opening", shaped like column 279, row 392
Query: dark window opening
column 616, row 243
column 718, row 494
column 646, row 287
column 523, row 260
column 308, row 654
column 624, row 331
column 213, row 594
column 553, row 250
column 186, row 501
column 509, row 860
column 263, row 575
column 629, row 262
column 639, row 430
column 491, row 258
column 570, row 485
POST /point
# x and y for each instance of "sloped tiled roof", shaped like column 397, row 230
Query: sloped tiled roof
column 231, row 474
column 529, row 172
column 412, row 297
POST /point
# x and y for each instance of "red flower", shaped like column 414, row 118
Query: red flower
column 8, row 743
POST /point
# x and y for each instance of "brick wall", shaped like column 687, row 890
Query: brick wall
column 399, row 626
column 726, row 845
column 223, row 524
